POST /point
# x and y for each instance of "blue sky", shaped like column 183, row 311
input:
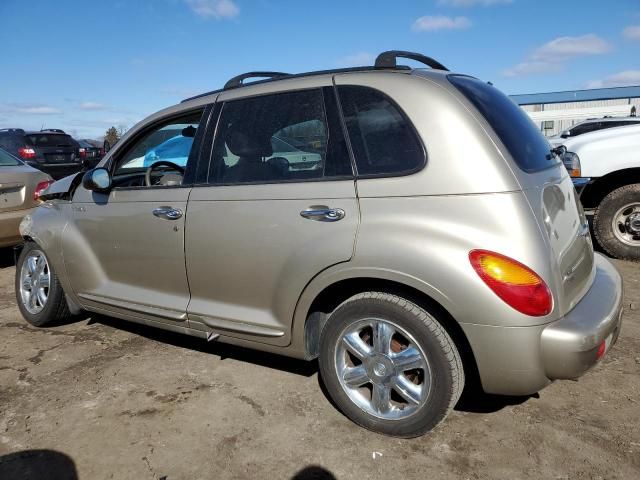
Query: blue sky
column 84, row 65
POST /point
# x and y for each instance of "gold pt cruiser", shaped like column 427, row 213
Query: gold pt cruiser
column 409, row 228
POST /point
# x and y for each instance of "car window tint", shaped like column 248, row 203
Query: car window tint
column 7, row 160
column 521, row 137
column 50, row 140
column 168, row 141
column 382, row 139
column 276, row 138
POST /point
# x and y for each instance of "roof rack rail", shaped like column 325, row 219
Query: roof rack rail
column 237, row 81
column 388, row 59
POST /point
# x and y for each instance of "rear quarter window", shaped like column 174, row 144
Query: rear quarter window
column 526, row 144
column 383, row 140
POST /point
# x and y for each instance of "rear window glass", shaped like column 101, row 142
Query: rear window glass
column 526, row 144
column 383, row 140
column 7, row 160
column 50, row 140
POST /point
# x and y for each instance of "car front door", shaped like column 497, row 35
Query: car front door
column 124, row 250
column 262, row 226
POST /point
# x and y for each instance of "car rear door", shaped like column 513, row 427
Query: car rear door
column 259, row 227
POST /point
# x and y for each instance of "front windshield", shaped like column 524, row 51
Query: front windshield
column 7, row 160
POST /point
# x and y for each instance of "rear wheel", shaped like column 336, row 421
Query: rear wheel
column 389, row 365
column 39, row 294
column 617, row 223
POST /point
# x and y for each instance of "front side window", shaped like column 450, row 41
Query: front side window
column 382, row 139
column 164, row 150
column 275, row 138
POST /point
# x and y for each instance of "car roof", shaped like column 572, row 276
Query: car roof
column 386, row 61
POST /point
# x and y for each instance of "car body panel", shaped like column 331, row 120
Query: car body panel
column 113, row 240
column 250, row 253
column 606, row 151
column 17, row 186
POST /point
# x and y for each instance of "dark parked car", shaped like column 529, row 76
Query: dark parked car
column 52, row 151
column 89, row 152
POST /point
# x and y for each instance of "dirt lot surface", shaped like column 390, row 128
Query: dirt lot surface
column 107, row 399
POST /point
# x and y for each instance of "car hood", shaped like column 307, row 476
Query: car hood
column 62, row 188
column 613, row 135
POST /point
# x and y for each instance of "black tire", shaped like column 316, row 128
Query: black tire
column 55, row 309
column 445, row 364
column 603, row 222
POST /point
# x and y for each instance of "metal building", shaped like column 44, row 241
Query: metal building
column 557, row 111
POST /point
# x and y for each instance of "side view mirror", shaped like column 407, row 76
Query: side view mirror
column 565, row 134
column 97, row 180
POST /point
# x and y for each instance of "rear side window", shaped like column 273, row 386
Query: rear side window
column 528, row 147
column 50, row 140
column 7, row 160
column 382, row 139
column 277, row 138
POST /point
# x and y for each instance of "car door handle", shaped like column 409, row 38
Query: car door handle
column 168, row 213
column 323, row 214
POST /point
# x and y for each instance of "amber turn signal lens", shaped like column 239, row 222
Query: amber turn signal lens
column 516, row 284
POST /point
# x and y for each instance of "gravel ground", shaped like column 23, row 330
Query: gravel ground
column 102, row 398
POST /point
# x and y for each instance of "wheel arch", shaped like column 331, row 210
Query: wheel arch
column 314, row 308
column 595, row 191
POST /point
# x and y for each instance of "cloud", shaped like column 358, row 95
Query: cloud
column 92, row 106
column 473, row 3
column 29, row 109
column 620, row 79
column 551, row 56
column 632, row 32
column 218, row 9
column 358, row 59
column 434, row 23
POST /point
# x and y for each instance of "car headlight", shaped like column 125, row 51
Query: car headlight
column 26, row 225
column 572, row 163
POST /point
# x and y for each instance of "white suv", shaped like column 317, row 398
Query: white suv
column 605, row 166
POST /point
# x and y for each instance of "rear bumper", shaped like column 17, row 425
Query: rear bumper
column 9, row 222
column 570, row 346
column 523, row 360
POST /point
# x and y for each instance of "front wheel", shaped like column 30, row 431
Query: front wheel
column 389, row 365
column 617, row 223
column 40, row 296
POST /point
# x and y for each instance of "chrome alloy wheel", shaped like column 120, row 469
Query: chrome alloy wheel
column 35, row 281
column 382, row 369
column 626, row 224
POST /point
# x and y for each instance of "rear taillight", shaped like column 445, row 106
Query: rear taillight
column 41, row 187
column 82, row 152
column 517, row 285
column 26, row 152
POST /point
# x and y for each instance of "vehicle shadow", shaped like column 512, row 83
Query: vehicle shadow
column 7, row 257
column 314, row 472
column 222, row 350
column 473, row 399
column 37, row 465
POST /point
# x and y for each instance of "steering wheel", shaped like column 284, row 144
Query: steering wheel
column 166, row 163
